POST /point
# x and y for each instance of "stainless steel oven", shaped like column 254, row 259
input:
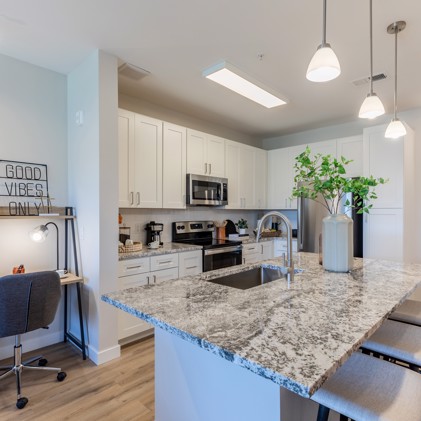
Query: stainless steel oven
column 217, row 253
column 203, row 190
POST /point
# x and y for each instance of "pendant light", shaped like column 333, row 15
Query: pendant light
column 324, row 65
column 395, row 129
column 372, row 107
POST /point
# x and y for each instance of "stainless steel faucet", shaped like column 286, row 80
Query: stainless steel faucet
column 290, row 262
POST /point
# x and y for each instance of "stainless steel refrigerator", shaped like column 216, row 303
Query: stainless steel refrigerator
column 309, row 224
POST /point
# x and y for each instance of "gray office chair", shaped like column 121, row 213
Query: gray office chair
column 27, row 302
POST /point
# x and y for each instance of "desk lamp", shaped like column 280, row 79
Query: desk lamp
column 40, row 233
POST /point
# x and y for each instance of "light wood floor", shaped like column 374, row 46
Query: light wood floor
column 122, row 389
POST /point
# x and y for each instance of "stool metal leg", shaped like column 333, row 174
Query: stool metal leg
column 323, row 413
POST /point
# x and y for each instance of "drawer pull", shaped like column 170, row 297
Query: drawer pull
column 191, row 267
column 134, row 267
column 165, row 262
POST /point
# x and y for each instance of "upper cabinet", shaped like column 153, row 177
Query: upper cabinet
column 352, row 149
column 152, row 162
column 205, row 154
column 260, row 178
column 174, row 166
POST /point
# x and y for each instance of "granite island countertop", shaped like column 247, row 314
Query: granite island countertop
column 296, row 335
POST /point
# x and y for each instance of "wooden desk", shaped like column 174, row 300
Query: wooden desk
column 72, row 279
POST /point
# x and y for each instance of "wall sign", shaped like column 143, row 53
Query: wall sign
column 24, row 187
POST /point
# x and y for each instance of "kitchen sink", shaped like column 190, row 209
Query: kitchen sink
column 252, row 278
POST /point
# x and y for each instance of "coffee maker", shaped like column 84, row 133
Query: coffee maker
column 153, row 232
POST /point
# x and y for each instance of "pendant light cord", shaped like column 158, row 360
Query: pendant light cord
column 371, row 47
column 324, row 23
column 396, row 72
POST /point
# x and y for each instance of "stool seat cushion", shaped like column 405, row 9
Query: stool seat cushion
column 398, row 340
column 370, row 389
column 409, row 311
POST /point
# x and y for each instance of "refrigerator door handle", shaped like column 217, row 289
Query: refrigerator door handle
column 300, row 223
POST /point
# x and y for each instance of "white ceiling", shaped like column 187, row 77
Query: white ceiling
column 177, row 40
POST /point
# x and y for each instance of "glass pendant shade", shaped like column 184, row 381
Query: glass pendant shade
column 395, row 129
column 324, row 65
column 372, row 107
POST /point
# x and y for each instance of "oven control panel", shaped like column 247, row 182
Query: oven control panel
column 186, row 227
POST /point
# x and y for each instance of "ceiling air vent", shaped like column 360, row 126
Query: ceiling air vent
column 132, row 72
column 366, row 80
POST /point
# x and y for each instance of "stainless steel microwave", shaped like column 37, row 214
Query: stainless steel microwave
column 203, row 190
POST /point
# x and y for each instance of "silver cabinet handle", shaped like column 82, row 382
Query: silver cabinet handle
column 138, row 198
column 210, row 169
column 206, row 168
column 261, row 247
column 131, row 198
column 154, row 279
column 166, row 262
column 134, row 267
column 147, row 278
column 191, row 267
column 244, row 260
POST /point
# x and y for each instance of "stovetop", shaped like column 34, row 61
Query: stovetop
column 208, row 243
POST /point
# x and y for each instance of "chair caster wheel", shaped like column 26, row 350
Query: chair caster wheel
column 61, row 376
column 42, row 362
column 21, row 402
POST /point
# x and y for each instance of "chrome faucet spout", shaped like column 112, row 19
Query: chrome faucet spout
column 290, row 262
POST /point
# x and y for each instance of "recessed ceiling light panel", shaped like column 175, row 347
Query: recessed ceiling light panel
column 232, row 78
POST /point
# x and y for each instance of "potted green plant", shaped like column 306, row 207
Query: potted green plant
column 323, row 178
column 242, row 226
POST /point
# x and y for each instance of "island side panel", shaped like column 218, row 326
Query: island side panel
column 192, row 384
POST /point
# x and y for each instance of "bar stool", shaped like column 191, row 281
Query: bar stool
column 408, row 312
column 396, row 340
column 370, row 389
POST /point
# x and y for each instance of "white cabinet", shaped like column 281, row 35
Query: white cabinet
column 205, row 154
column 152, row 162
column 163, row 275
column 327, row 147
column 352, row 149
column 280, row 246
column 281, row 177
column 164, row 261
column 190, row 263
column 246, row 170
column 260, row 178
column 174, row 167
column 389, row 228
column 256, row 252
column 147, row 155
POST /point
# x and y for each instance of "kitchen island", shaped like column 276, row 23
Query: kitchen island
column 227, row 354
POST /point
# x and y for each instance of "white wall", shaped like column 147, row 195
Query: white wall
column 152, row 110
column 411, row 117
column 33, row 128
column 93, row 178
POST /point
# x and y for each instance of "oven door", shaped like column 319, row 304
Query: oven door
column 221, row 257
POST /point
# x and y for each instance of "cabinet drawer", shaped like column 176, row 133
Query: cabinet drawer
column 163, row 275
column 251, row 249
column 190, row 263
column 165, row 261
column 133, row 266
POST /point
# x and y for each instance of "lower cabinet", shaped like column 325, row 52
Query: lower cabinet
column 190, row 263
column 280, row 246
column 256, row 252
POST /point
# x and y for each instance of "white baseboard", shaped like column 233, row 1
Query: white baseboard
column 101, row 357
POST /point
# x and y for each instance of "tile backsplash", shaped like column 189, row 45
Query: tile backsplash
column 137, row 219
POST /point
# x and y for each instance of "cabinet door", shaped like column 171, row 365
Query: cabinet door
column 246, row 183
column 384, row 158
column 129, row 325
column 164, row 275
column 383, row 234
column 148, row 162
column 174, row 167
column 232, row 172
column 327, row 147
column 196, row 153
column 260, row 178
column 190, row 263
column 164, row 261
column 215, row 156
column 351, row 148
column 125, row 158
column 266, row 250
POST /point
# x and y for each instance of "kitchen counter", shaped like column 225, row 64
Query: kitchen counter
column 167, row 248
column 295, row 335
